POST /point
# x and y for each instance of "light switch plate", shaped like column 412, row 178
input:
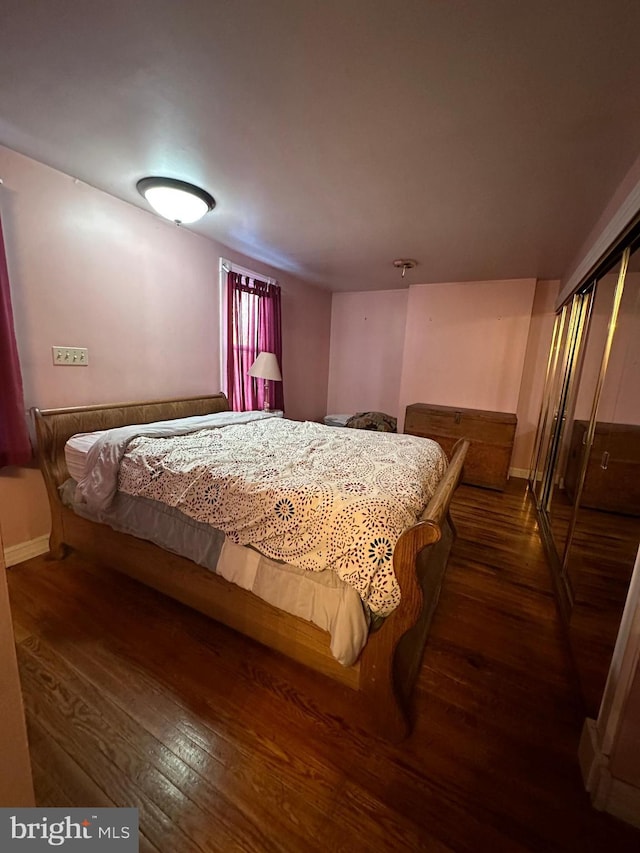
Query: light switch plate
column 70, row 356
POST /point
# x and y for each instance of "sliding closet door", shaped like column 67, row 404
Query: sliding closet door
column 585, row 473
column 581, row 423
column 546, row 420
column 606, row 531
column 559, row 378
column 556, row 506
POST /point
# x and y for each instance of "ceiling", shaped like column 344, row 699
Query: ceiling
column 482, row 139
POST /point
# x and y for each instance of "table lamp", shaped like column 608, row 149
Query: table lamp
column 266, row 367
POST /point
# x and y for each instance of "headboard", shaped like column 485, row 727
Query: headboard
column 54, row 427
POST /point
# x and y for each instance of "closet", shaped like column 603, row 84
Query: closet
column 585, row 470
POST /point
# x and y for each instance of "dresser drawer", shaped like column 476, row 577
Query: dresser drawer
column 491, row 436
column 616, row 486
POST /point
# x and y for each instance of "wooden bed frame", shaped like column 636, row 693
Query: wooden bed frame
column 383, row 677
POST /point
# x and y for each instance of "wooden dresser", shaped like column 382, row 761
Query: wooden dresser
column 491, row 435
column 612, row 480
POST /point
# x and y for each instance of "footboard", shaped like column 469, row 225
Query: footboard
column 391, row 659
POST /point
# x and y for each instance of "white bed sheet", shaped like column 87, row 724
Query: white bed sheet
column 318, row 597
column 76, row 451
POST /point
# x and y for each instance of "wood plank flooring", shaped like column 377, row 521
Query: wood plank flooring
column 223, row 745
column 602, row 557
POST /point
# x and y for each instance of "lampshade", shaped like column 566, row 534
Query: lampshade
column 266, row 367
column 176, row 200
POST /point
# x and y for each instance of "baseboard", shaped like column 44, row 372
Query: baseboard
column 624, row 802
column 589, row 756
column 15, row 554
column 608, row 794
column 520, row 473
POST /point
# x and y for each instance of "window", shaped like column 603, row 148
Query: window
column 253, row 325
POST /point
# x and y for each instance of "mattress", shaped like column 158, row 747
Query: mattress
column 76, row 450
column 319, row 597
column 78, row 447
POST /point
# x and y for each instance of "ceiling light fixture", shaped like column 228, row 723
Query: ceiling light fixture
column 404, row 264
column 176, row 200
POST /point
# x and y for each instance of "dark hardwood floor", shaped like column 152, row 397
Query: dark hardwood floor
column 602, row 557
column 223, row 745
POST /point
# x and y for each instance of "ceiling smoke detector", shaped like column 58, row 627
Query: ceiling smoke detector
column 404, row 264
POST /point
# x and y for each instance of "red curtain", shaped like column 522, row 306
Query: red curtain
column 15, row 447
column 253, row 326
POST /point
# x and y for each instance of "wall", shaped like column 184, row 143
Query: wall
column 87, row 269
column 367, row 343
column 16, row 786
column 473, row 344
column 622, row 209
column 465, row 344
column 533, row 373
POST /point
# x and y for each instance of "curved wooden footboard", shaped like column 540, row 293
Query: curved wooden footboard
column 391, row 659
column 384, row 676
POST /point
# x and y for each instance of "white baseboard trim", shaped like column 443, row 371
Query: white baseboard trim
column 608, row 794
column 15, row 554
column 589, row 756
column 520, row 473
column 624, row 802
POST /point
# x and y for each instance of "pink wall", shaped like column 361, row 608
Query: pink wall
column 367, row 342
column 621, row 210
column 465, row 344
column 89, row 270
column 24, row 509
column 533, row 372
column 477, row 345
column 16, row 785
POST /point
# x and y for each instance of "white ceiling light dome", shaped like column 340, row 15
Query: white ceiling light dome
column 176, row 200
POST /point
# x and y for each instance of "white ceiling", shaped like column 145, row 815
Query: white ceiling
column 482, row 138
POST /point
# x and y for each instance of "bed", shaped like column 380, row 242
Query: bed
column 382, row 677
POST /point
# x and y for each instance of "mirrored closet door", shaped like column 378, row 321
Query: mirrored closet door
column 549, row 411
column 591, row 353
column 585, row 474
column 604, row 539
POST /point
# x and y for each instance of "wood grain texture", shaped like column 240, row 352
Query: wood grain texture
column 383, row 680
column 601, row 560
column 208, row 593
column 491, row 436
column 225, row 745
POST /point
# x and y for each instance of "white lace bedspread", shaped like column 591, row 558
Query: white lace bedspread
column 314, row 496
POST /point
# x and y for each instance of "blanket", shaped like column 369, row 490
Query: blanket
column 98, row 487
column 302, row 493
